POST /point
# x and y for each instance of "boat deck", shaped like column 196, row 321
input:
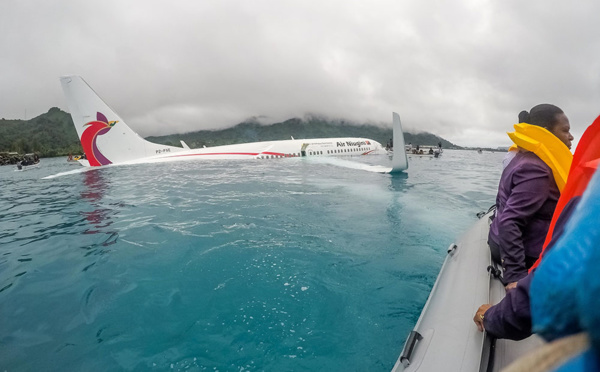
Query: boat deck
column 445, row 337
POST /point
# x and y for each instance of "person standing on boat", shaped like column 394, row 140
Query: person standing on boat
column 526, row 199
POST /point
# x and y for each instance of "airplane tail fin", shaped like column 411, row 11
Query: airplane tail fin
column 399, row 159
column 104, row 136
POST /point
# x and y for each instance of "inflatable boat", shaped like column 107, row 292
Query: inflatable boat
column 445, row 337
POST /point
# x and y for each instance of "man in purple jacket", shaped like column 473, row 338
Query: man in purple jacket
column 527, row 197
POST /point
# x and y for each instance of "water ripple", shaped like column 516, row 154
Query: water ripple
column 214, row 265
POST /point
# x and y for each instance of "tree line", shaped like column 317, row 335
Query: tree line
column 53, row 134
column 48, row 135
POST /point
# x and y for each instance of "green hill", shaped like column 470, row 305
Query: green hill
column 297, row 128
column 50, row 134
column 53, row 134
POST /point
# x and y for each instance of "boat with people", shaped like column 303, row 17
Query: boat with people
column 423, row 151
column 74, row 159
column 29, row 161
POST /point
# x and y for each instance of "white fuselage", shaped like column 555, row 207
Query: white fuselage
column 271, row 150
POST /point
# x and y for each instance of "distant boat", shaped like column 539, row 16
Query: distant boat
column 30, row 161
column 21, row 168
column 423, row 151
column 74, row 160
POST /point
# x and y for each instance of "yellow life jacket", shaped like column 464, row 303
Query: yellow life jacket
column 547, row 147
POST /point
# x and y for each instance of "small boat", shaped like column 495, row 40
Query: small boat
column 30, row 161
column 423, row 151
column 445, row 337
column 74, row 160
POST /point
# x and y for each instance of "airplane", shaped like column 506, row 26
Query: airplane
column 107, row 140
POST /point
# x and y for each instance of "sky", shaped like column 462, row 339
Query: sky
column 460, row 69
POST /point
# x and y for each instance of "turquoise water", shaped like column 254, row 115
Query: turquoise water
column 278, row 265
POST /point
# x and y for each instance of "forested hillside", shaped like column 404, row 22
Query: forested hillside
column 53, row 134
column 50, row 134
column 297, row 128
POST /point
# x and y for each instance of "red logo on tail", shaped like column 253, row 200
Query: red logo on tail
column 88, row 139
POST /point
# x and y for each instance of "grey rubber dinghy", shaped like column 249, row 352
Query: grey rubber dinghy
column 445, row 337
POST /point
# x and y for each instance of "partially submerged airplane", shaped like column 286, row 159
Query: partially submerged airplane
column 106, row 139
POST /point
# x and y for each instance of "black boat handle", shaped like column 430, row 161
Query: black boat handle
column 409, row 347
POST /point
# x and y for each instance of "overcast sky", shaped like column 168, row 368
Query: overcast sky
column 460, row 69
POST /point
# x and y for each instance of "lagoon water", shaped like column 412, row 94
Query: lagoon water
column 266, row 265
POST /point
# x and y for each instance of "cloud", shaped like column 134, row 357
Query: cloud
column 462, row 70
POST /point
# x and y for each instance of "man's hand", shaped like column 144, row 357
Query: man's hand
column 510, row 286
column 478, row 318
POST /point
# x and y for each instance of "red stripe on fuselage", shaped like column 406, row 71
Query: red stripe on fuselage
column 217, row 153
column 232, row 153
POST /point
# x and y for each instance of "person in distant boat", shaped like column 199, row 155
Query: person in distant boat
column 431, row 151
column 526, row 199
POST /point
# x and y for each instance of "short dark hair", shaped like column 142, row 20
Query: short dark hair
column 543, row 115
